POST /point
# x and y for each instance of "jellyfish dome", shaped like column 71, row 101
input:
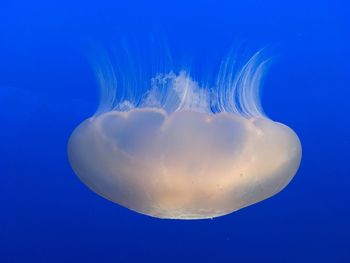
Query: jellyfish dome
column 183, row 151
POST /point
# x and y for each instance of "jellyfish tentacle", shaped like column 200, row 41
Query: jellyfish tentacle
column 249, row 86
column 239, row 90
column 107, row 82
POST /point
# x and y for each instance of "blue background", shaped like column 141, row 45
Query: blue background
column 47, row 87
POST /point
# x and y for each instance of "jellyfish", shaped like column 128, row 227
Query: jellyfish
column 184, row 151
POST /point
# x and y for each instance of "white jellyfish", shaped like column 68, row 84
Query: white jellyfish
column 184, row 151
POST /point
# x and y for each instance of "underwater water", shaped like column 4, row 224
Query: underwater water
column 48, row 53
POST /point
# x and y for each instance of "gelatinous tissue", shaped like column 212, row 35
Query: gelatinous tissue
column 184, row 151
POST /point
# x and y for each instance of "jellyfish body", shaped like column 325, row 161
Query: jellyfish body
column 174, row 157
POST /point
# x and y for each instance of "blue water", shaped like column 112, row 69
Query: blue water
column 47, row 87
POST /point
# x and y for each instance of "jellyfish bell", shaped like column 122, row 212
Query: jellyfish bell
column 184, row 165
column 173, row 156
